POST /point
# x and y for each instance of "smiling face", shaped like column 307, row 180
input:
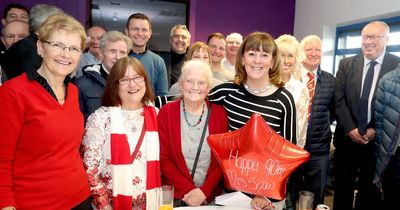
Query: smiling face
column 288, row 55
column 180, row 41
column 131, row 94
column 217, row 49
column 56, row 62
column 112, row 52
column 374, row 40
column 202, row 55
column 257, row 64
column 312, row 51
column 195, row 84
column 232, row 45
column 95, row 34
column 139, row 31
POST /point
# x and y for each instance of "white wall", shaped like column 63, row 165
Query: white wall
column 321, row 17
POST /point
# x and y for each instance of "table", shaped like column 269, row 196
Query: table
column 212, row 208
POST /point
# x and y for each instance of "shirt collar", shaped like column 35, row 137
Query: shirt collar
column 304, row 71
column 379, row 59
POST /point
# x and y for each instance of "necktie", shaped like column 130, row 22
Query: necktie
column 363, row 103
column 310, row 86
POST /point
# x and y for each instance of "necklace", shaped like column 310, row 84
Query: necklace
column 185, row 115
column 258, row 91
column 133, row 119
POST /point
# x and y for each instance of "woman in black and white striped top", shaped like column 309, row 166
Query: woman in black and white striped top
column 257, row 87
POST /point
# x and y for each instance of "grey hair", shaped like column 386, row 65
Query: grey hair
column 234, row 35
column 39, row 14
column 115, row 36
column 383, row 24
column 309, row 38
column 179, row 26
column 196, row 65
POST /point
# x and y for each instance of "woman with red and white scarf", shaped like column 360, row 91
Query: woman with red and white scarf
column 121, row 145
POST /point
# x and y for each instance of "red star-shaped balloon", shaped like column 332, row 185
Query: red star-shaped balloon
column 255, row 159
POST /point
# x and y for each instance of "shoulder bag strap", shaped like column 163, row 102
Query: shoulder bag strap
column 201, row 141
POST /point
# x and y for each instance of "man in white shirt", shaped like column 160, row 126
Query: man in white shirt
column 321, row 89
column 356, row 81
column 233, row 42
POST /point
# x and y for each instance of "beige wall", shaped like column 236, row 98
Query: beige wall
column 321, row 17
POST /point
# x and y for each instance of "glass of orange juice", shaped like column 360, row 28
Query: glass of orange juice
column 166, row 197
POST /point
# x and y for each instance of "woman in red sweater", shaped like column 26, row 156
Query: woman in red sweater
column 181, row 125
column 41, row 126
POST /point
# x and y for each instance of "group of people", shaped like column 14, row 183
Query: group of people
column 79, row 127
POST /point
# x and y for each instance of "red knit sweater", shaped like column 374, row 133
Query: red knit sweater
column 40, row 165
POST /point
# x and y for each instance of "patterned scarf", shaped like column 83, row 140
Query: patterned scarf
column 121, row 160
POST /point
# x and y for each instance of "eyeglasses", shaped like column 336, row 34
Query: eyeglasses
column 125, row 81
column 177, row 36
column 191, row 83
column 372, row 37
column 60, row 47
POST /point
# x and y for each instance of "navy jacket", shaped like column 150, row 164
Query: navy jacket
column 319, row 133
column 91, row 86
column 387, row 121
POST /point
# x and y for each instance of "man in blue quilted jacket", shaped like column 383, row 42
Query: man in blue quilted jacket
column 387, row 126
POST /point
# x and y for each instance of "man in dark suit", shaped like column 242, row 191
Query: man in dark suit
column 356, row 82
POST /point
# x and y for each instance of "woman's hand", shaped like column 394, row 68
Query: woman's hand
column 194, row 198
column 260, row 202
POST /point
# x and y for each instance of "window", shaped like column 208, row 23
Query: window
column 348, row 39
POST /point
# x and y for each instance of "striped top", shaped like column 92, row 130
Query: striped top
column 277, row 109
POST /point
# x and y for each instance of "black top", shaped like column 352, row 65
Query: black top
column 173, row 62
column 277, row 109
column 34, row 75
column 22, row 57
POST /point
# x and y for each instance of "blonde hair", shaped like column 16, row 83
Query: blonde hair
column 62, row 21
column 196, row 47
column 292, row 42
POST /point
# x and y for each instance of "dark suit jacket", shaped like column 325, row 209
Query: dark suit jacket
column 348, row 90
column 22, row 57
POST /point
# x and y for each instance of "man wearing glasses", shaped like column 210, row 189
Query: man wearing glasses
column 356, row 82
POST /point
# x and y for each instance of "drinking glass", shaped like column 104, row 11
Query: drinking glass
column 166, row 197
column 306, row 200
